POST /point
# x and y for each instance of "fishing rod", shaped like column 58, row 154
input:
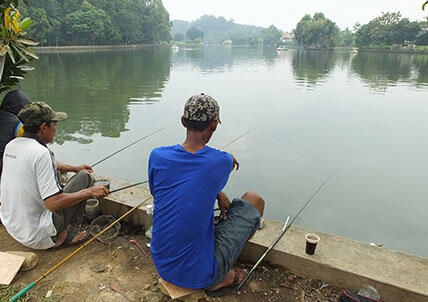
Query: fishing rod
column 284, row 229
column 127, row 187
column 32, row 284
column 133, row 143
column 248, row 131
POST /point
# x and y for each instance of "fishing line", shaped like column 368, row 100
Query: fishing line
column 284, row 229
column 133, row 143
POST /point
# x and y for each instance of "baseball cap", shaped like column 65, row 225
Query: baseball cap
column 37, row 113
column 202, row 108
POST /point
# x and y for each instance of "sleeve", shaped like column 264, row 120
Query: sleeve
column 45, row 173
column 227, row 165
column 19, row 130
column 151, row 172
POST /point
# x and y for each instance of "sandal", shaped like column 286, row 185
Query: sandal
column 239, row 275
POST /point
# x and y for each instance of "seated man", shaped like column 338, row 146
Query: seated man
column 35, row 210
column 185, row 180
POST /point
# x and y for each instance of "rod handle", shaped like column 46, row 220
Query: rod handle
column 22, row 292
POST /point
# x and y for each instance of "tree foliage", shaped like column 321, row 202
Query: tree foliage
column 271, row 36
column 95, row 22
column 316, row 31
column 194, row 33
column 218, row 30
column 387, row 29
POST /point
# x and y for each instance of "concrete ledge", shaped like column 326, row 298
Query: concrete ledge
column 338, row 261
column 344, row 263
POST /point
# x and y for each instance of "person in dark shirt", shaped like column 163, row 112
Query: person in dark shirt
column 10, row 125
column 185, row 180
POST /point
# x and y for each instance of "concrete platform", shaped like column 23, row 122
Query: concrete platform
column 342, row 262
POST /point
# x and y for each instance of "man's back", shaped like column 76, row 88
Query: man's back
column 184, row 186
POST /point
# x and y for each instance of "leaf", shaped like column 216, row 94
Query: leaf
column 423, row 6
column 27, row 41
column 25, row 68
column 28, row 52
column 20, row 53
column 10, row 52
column 25, row 24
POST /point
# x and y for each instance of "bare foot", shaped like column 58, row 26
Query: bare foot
column 61, row 238
column 234, row 277
column 79, row 237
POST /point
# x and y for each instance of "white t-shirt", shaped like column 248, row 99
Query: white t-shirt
column 28, row 178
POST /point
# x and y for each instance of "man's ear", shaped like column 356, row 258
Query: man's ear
column 214, row 125
column 183, row 122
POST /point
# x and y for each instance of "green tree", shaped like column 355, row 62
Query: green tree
column 316, row 31
column 271, row 36
column 386, row 30
column 83, row 22
column 193, row 33
column 178, row 37
column 345, row 38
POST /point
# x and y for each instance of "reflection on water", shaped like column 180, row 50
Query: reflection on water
column 95, row 88
column 311, row 68
column 320, row 113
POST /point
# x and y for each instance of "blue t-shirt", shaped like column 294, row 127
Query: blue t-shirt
column 184, row 186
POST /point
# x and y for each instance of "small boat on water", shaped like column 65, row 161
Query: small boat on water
column 175, row 47
column 354, row 50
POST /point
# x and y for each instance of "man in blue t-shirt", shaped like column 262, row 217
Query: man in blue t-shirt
column 185, row 180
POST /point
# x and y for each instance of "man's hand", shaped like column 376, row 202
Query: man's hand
column 235, row 163
column 83, row 167
column 98, row 191
column 223, row 204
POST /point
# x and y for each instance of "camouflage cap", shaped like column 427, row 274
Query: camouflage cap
column 37, row 113
column 201, row 108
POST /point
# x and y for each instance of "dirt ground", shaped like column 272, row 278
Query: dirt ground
column 118, row 271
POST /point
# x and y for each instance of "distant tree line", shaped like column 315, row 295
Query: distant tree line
column 387, row 30
column 209, row 29
column 98, row 22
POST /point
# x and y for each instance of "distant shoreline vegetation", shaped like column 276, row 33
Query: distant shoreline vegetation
column 98, row 22
column 135, row 22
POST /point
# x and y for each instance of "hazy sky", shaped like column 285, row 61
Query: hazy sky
column 285, row 14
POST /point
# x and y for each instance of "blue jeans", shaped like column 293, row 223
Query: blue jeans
column 230, row 235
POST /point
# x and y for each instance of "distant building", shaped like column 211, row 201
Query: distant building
column 287, row 37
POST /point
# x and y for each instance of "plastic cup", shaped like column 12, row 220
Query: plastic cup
column 92, row 208
column 311, row 243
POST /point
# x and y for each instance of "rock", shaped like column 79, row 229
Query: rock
column 255, row 286
column 31, row 259
column 99, row 268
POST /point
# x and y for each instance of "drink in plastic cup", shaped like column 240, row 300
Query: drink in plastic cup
column 311, row 243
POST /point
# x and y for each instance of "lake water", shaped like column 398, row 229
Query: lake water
column 365, row 114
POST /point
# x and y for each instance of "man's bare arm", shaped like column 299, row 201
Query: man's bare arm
column 69, row 168
column 66, row 200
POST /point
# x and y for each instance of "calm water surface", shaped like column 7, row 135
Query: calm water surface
column 365, row 114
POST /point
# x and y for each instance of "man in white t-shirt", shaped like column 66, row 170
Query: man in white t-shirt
column 35, row 209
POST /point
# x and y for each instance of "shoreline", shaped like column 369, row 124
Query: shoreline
column 89, row 48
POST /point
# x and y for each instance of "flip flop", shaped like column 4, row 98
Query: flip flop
column 68, row 240
column 231, row 288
